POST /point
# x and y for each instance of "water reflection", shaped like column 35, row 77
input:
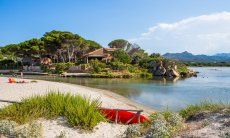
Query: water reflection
column 160, row 93
column 116, row 85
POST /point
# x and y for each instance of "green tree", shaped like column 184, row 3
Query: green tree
column 66, row 46
column 31, row 48
column 1, row 56
column 122, row 56
column 97, row 66
column 10, row 51
column 53, row 41
column 93, row 45
column 155, row 55
column 119, row 43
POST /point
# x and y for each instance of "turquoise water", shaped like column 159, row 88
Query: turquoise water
column 212, row 83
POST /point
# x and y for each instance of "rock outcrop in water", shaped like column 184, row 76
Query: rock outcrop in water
column 168, row 69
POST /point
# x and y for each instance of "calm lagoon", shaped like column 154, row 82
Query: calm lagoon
column 212, row 83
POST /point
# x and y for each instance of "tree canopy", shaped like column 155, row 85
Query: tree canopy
column 119, row 43
column 122, row 56
column 60, row 45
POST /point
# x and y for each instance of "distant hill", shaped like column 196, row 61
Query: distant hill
column 223, row 55
column 186, row 56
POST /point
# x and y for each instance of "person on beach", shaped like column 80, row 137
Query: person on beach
column 21, row 75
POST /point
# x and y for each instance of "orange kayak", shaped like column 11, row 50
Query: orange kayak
column 11, row 80
column 123, row 116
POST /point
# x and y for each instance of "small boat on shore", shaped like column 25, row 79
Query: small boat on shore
column 12, row 80
column 124, row 116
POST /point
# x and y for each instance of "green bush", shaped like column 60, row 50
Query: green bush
column 122, row 56
column 7, row 127
column 182, row 68
column 133, row 131
column 10, row 64
column 133, row 68
column 104, row 75
column 127, row 75
column 165, row 124
column 159, row 127
column 13, row 129
column 62, row 67
column 117, row 65
column 97, row 66
column 78, row 110
column 32, row 130
column 145, row 62
column 203, row 106
column 45, row 68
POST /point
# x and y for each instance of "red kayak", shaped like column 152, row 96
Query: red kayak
column 124, row 116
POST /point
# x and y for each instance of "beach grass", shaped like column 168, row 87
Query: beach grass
column 203, row 106
column 79, row 111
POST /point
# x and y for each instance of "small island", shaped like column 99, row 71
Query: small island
column 67, row 54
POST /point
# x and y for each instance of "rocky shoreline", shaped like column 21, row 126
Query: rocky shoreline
column 170, row 70
column 208, row 124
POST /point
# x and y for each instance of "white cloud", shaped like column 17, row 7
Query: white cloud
column 205, row 34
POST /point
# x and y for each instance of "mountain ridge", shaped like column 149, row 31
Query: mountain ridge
column 187, row 56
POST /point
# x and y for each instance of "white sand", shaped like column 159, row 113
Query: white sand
column 15, row 92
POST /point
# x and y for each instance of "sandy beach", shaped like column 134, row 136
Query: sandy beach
column 53, row 128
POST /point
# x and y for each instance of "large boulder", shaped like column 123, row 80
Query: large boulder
column 172, row 73
column 46, row 61
column 160, row 71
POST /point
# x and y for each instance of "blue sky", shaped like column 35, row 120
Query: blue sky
column 135, row 20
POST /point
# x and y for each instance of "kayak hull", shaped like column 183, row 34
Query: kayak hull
column 123, row 116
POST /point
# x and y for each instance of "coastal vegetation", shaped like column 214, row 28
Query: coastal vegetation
column 58, row 51
column 191, row 110
column 12, row 129
column 161, row 124
column 170, row 124
column 20, row 119
column 79, row 111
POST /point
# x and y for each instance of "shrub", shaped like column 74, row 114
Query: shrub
column 61, row 67
column 145, row 62
column 32, row 130
column 182, row 68
column 133, row 68
column 7, row 127
column 45, row 68
column 9, row 64
column 203, row 106
column 79, row 111
column 127, row 75
column 12, row 129
column 122, row 56
column 117, row 65
column 97, row 66
column 165, row 124
column 133, row 131
column 159, row 127
column 174, row 119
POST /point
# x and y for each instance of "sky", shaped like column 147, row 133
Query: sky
column 158, row 26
